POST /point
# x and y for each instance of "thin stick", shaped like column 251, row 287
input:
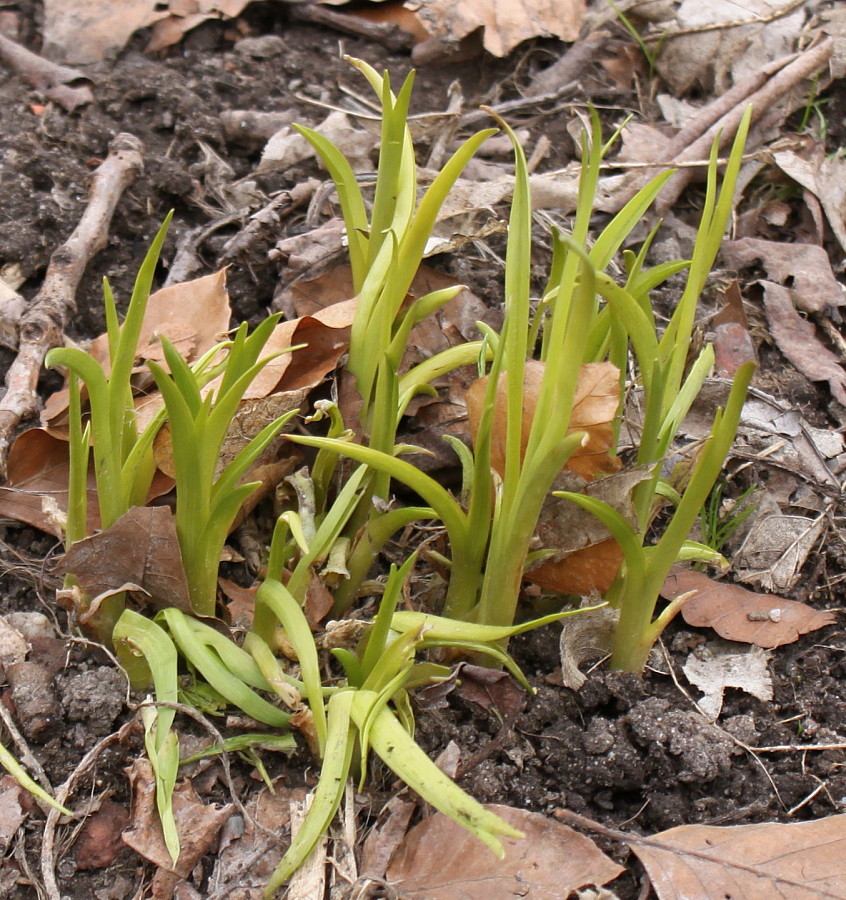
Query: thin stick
column 44, row 323
column 25, row 753
column 48, row 842
column 67, row 87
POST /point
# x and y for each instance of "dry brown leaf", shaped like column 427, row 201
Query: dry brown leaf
column 240, row 605
column 193, row 315
column 12, row 814
column 803, row 268
column 142, row 549
column 326, row 338
column 196, row 823
column 505, row 24
column 396, row 13
column 440, row 860
column 490, row 689
column 87, row 31
column 454, row 323
column 185, row 15
column 584, row 572
column 38, row 472
column 825, row 177
column 797, row 339
column 595, row 404
column 733, row 344
column 246, row 845
column 797, row 861
column 741, row 615
column 385, row 836
column 776, row 546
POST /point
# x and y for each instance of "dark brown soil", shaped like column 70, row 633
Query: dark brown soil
column 629, row 752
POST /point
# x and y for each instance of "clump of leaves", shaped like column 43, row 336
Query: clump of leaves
column 582, row 330
column 584, row 319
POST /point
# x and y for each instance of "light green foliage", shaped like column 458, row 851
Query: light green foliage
column 19, row 773
column 583, row 315
column 490, row 549
column 123, row 458
column 207, row 502
column 144, row 647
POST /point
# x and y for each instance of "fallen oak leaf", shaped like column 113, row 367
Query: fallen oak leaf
column 141, row 548
column 595, row 403
column 794, row 861
column 505, row 24
column 803, row 268
column 36, row 485
column 738, row 614
column 797, row 339
column 198, row 825
column 194, row 315
column 587, row 558
column 589, row 571
column 550, row 862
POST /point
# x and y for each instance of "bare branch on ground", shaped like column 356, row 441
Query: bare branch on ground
column 43, row 324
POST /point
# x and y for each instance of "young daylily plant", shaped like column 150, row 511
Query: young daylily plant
column 585, row 323
column 491, row 533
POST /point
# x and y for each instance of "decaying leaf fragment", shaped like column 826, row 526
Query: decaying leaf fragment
column 140, row 549
column 548, row 863
column 804, row 269
column 198, row 825
column 776, row 548
column 36, row 485
column 797, row 339
column 797, row 861
column 717, row 666
column 595, row 403
column 505, row 24
column 737, row 614
column 588, row 558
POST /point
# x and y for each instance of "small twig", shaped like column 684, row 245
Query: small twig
column 64, row 85
column 48, row 842
column 808, row 799
column 43, row 324
column 785, row 748
column 23, row 750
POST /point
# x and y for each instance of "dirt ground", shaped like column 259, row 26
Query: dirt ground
column 632, row 753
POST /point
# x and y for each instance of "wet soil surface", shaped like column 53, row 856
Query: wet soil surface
column 629, row 752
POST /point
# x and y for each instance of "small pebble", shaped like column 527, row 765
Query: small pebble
column 263, row 46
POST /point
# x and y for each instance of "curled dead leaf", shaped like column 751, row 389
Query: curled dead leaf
column 595, row 403
column 547, row 864
column 141, row 549
column 741, row 615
